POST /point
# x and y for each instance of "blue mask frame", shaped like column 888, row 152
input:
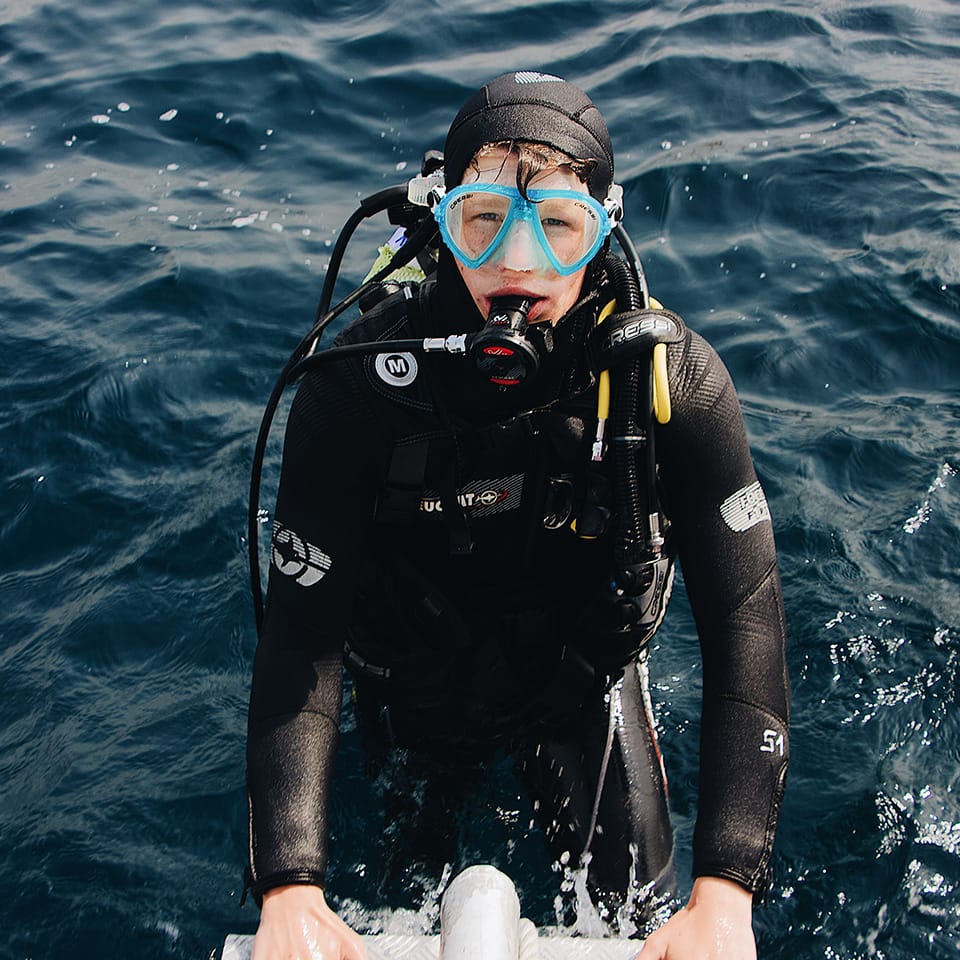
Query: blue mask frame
column 522, row 209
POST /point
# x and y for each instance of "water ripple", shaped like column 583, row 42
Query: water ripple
column 172, row 178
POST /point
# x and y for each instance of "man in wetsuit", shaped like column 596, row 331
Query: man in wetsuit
column 447, row 531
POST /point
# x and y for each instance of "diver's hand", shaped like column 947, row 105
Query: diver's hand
column 297, row 924
column 714, row 925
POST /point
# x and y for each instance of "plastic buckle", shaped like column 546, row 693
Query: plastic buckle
column 614, row 204
column 426, row 191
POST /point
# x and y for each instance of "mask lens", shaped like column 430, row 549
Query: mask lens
column 570, row 226
column 473, row 220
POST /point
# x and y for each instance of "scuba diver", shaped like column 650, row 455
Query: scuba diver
column 486, row 482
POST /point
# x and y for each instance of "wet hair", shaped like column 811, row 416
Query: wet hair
column 532, row 160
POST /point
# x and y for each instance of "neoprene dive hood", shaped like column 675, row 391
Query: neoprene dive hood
column 536, row 108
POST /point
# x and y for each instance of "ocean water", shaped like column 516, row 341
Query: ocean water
column 172, row 177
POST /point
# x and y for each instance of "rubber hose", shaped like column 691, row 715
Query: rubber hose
column 632, row 389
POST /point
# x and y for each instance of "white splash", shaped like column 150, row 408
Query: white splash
column 913, row 524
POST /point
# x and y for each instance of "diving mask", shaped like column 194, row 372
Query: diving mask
column 564, row 228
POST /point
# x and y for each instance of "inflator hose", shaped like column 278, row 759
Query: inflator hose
column 631, row 425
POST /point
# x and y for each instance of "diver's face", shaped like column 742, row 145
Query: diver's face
column 520, row 269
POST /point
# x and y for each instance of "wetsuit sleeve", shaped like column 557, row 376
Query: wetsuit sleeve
column 727, row 554
column 323, row 517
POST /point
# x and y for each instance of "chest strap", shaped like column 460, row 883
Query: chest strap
column 400, row 498
column 405, row 482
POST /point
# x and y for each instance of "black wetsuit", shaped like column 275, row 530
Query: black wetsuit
column 391, row 466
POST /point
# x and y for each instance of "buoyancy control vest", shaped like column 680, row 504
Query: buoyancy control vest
column 555, row 490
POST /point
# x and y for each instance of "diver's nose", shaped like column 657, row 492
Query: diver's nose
column 520, row 251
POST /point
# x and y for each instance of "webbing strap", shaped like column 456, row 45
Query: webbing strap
column 458, row 530
column 400, row 499
column 403, row 489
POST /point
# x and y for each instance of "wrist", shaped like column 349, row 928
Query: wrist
column 727, row 895
column 304, row 893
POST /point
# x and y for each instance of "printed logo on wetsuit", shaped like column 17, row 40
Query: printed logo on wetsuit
column 296, row 558
column 396, row 369
column 745, row 509
column 481, row 496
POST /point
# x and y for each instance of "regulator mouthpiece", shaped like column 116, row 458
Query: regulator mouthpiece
column 500, row 351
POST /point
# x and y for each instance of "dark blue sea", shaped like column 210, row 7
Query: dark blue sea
column 172, row 178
